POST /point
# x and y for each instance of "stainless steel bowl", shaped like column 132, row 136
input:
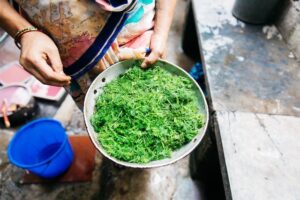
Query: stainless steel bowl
column 112, row 73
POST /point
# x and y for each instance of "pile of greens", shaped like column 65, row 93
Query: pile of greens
column 144, row 115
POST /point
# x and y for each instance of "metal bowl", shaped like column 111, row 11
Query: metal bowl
column 23, row 112
column 114, row 72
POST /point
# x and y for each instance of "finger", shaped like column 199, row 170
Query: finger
column 99, row 67
column 37, row 75
column 115, row 47
column 128, row 53
column 164, row 54
column 102, row 65
column 55, row 61
column 56, row 64
column 30, row 69
column 46, row 82
column 48, row 74
column 151, row 59
column 108, row 59
column 27, row 66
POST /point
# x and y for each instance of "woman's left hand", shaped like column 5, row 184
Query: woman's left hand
column 164, row 14
column 158, row 49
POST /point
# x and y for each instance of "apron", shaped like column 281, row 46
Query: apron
column 92, row 35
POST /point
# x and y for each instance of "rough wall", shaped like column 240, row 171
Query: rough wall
column 289, row 26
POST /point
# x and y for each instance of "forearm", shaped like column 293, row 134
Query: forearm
column 10, row 20
column 164, row 15
column 163, row 19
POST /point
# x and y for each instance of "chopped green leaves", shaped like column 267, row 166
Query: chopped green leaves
column 144, row 115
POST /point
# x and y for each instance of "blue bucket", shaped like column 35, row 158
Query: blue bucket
column 41, row 147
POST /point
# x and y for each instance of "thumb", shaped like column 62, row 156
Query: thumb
column 149, row 60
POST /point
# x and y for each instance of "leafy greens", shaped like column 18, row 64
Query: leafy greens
column 144, row 115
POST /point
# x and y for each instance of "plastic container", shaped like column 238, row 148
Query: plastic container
column 41, row 147
column 256, row 11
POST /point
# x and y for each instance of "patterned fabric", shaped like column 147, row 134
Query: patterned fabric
column 75, row 26
column 114, row 5
column 99, row 47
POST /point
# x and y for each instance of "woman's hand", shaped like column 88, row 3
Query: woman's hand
column 39, row 54
column 40, row 57
column 164, row 15
column 158, row 49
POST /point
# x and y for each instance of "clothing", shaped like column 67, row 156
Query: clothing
column 75, row 25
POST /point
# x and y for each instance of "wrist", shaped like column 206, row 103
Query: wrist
column 158, row 41
column 160, row 34
column 20, row 34
column 26, row 36
column 20, row 25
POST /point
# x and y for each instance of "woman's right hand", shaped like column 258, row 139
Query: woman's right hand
column 40, row 57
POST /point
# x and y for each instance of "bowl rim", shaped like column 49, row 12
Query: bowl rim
column 149, row 164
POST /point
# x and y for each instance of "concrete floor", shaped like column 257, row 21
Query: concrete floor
column 109, row 182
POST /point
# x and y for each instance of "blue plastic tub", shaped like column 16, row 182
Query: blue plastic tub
column 42, row 147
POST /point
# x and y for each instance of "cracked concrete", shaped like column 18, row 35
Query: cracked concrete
column 260, row 151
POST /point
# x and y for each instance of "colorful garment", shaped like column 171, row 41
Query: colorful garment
column 93, row 35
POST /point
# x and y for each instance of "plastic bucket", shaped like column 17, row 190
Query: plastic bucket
column 41, row 147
